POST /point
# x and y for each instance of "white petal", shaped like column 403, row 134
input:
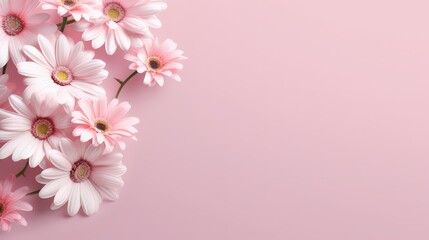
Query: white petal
column 109, row 194
column 59, row 160
column 8, row 148
column 74, row 200
column 111, row 42
column 16, row 124
column 32, row 69
column 69, row 150
column 47, row 49
column 123, row 39
column 54, row 173
column 4, row 51
column 93, row 153
column 37, row 18
column 89, row 88
column 27, row 149
column 62, row 52
column 99, row 40
column 107, row 181
column 62, row 11
column 38, row 156
column 92, row 33
column 35, row 55
column 50, row 189
column 15, row 49
column 90, row 198
column 63, row 194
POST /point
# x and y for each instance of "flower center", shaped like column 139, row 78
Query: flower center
column 12, row 25
column 81, row 171
column 153, row 63
column 101, row 126
column 69, row 3
column 114, row 11
column 62, row 76
column 42, row 128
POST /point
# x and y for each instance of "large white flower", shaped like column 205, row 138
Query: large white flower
column 37, row 126
column 62, row 69
column 125, row 23
column 81, row 175
column 21, row 22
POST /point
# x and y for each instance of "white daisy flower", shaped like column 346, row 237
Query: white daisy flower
column 62, row 69
column 81, row 175
column 37, row 126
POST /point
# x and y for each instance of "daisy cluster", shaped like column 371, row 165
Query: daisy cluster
column 62, row 122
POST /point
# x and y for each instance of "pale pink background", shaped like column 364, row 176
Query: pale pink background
column 297, row 119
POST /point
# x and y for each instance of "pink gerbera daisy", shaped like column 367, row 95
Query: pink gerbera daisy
column 36, row 127
column 104, row 124
column 77, row 8
column 157, row 61
column 21, row 22
column 81, row 175
column 62, row 69
column 11, row 203
column 124, row 22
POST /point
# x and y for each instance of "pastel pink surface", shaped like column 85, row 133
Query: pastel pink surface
column 296, row 119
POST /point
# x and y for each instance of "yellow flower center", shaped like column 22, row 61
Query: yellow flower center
column 81, row 170
column 62, row 75
column 114, row 11
column 113, row 14
column 42, row 128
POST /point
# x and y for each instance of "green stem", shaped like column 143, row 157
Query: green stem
column 34, row 193
column 68, row 23
column 63, row 24
column 123, row 83
column 4, row 69
column 22, row 172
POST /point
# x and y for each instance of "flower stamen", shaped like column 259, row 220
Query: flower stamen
column 153, row 63
column 114, row 12
column 42, row 128
column 81, row 170
column 12, row 25
column 101, row 126
column 62, row 76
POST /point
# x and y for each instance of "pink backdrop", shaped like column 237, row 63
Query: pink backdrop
column 297, row 119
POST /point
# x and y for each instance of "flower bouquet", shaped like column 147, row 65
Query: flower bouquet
column 62, row 122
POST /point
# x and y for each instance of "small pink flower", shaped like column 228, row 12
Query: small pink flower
column 21, row 21
column 157, row 61
column 63, row 70
column 124, row 22
column 77, row 8
column 37, row 126
column 11, row 203
column 81, row 175
column 104, row 124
